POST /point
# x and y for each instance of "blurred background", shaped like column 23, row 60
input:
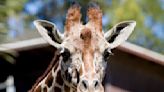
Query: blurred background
column 17, row 16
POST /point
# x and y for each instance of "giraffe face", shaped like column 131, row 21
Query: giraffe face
column 84, row 49
column 84, row 55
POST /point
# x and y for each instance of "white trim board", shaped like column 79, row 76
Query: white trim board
column 25, row 44
column 126, row 46
column 142, row 52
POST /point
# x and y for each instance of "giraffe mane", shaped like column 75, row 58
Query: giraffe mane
column 54, row 63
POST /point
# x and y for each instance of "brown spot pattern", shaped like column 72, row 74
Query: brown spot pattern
column 38, row 89
column 59, row 78
column 54, row 63
column 49, row 80
column 66, row 88
column 56, row 89
column 45, row 89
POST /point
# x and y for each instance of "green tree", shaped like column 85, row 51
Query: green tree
column 115, row 10
column 138, row 10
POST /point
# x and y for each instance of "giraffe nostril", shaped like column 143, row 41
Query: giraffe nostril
column 84, row 85
column 96, row 84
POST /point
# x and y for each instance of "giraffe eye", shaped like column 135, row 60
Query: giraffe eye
column 107, row 53
column 65, row 53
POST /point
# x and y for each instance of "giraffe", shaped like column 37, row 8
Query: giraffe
column 82, row 51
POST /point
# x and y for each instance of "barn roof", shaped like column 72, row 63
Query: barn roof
column 142, row 52
column 126, row 47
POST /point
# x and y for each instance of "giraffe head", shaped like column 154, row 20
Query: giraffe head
column 84, row 49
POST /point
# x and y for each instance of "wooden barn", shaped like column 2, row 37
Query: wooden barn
column 131, row 68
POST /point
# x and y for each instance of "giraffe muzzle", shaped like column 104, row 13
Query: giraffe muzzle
column 90, row 86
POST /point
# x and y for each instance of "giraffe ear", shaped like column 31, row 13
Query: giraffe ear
column 49, row 32
column 119, row 33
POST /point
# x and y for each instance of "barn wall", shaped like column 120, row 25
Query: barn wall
column 135, row 74
column 125, row 70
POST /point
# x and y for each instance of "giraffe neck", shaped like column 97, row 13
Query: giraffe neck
column 51, row 80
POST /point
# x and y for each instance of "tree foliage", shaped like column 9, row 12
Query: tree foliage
column 148, row 15
column 138, row 10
